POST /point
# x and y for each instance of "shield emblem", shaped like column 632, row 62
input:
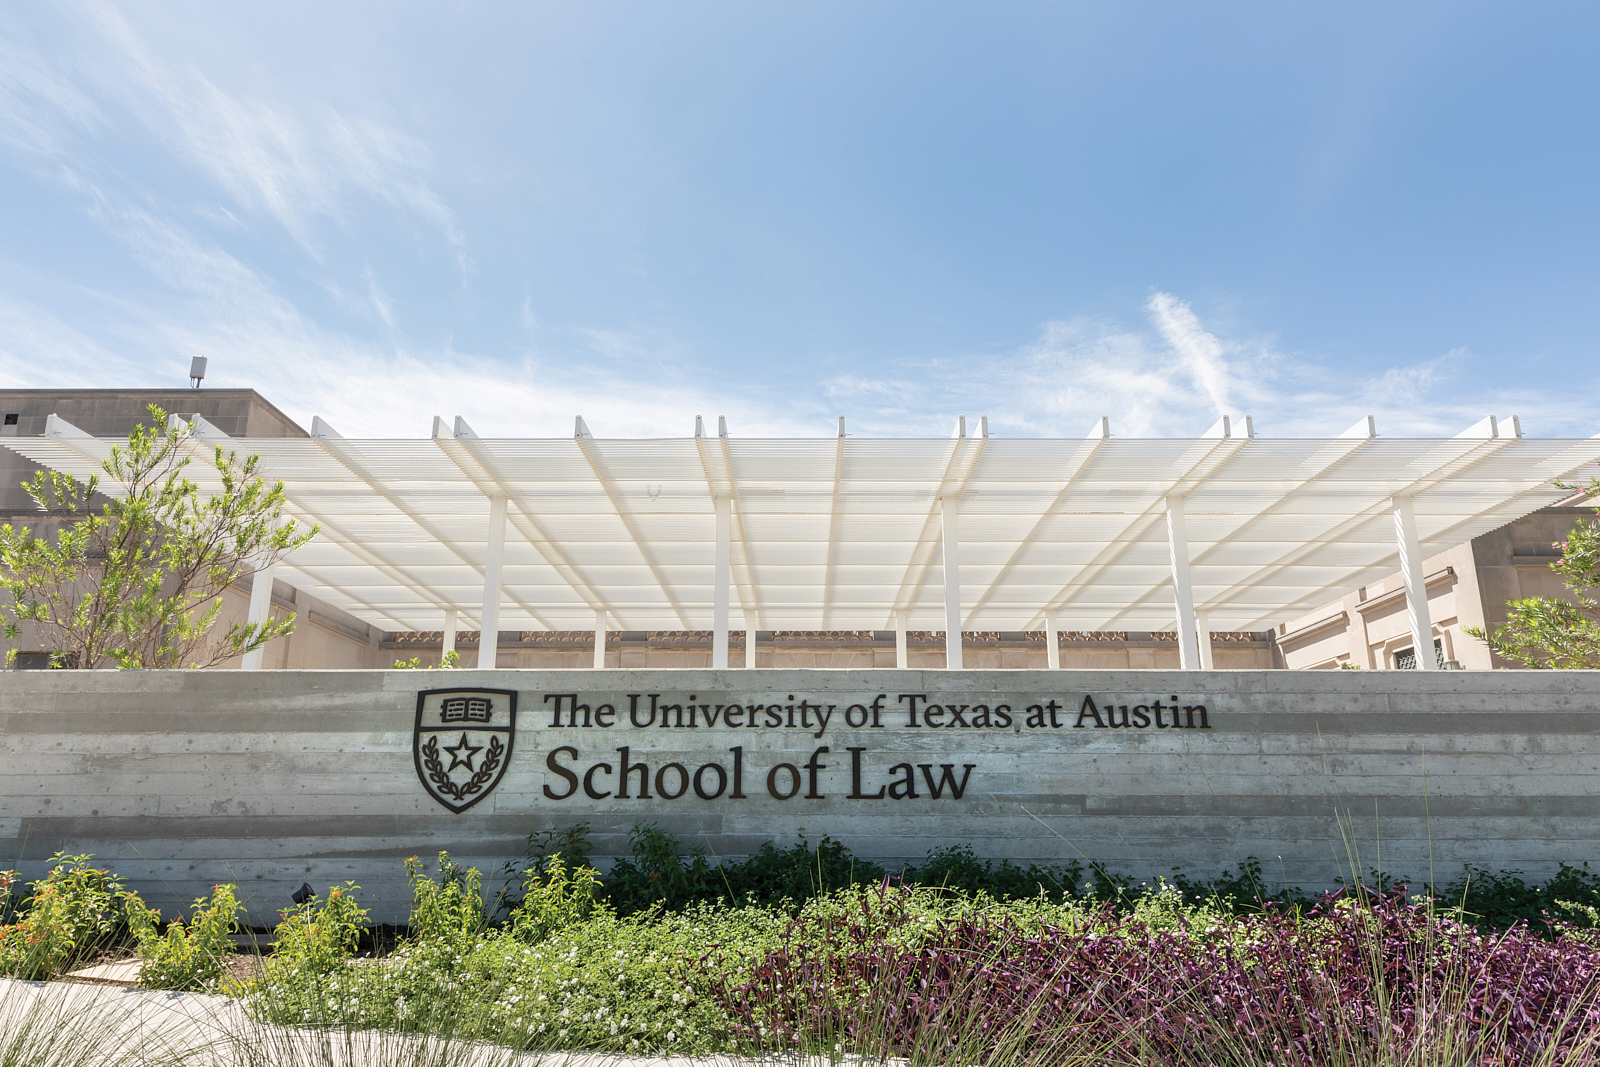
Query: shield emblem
column 462, row 742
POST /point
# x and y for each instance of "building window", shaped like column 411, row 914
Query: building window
column 41, row 661
column 1405, row 659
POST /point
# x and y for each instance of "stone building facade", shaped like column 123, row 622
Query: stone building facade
column 1468, row 585
column 840, row 649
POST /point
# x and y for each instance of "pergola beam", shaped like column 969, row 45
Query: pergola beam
column 602, row 476
column 716, row 464
column 1405, row 530
column 1098, row 435
column 210, row 434
column 950, row 542
column 832, row 560
column 331, row 442
column 749, row 590
column 1447, row 460
column 478, row 464
column 1182, row 591
column 961, row 459
column 1201, row 461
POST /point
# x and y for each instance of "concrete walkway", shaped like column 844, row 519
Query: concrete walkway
column 70, row 1024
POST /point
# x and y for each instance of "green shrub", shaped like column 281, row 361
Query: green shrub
column 449, row 910
column 70, row 914
column 319, row 936
column 185, row 957
column 313, row 942
column 1499, row 901
column 569, row 845
column 448, row 662
column 554, row 897
column 603, row 983
column 658, row 874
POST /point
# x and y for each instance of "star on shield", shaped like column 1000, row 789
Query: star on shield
column 459, row 760
column 461, row 743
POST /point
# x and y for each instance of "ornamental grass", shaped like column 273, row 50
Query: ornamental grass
column 1356, row 980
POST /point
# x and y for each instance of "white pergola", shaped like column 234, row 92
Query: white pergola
column 1225, row 531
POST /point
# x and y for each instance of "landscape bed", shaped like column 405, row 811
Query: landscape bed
column 805, row 950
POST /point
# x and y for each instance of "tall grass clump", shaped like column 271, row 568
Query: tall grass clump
column 72, row 1026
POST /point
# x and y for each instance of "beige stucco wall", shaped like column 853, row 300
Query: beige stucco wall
column 268, row 779
column 325, row 638
column 1469, row 585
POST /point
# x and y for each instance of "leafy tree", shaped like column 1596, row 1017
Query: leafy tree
column 139, row 582
column 1549, row 632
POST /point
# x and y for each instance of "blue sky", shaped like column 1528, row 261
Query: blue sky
column 785, row 213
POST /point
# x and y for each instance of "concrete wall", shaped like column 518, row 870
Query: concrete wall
column 182, row 779
column 114, row 413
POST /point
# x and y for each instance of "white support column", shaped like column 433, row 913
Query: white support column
column 600, row 639
column 749, row 643
column 260, row 611
column 449, row 633
column 948, row 507
column 1052, row 640
column 489, row 642
column 901, row 653
column 1203, row 633
column 1405, row 532
column 1182, row 594
column 719, row 604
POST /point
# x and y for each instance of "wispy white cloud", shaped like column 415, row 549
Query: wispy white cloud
column 1412, row 385
column 41, row 112
column 1163, row 370
column 38, row 349
column 381, row 301
column 291, row 165
column 1200, row 353
column 255, row 337
column 851, row 387
column 1178, row 377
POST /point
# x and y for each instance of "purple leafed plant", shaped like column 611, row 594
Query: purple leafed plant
column 1364, row 980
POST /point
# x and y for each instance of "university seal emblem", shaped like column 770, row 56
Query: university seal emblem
column 462, row 742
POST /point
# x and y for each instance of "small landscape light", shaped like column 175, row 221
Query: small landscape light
column 303, row 894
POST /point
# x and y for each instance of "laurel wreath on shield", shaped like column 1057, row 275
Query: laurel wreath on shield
column 437, row 775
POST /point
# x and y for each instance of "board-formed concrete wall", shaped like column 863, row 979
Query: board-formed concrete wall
column 269, row 779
